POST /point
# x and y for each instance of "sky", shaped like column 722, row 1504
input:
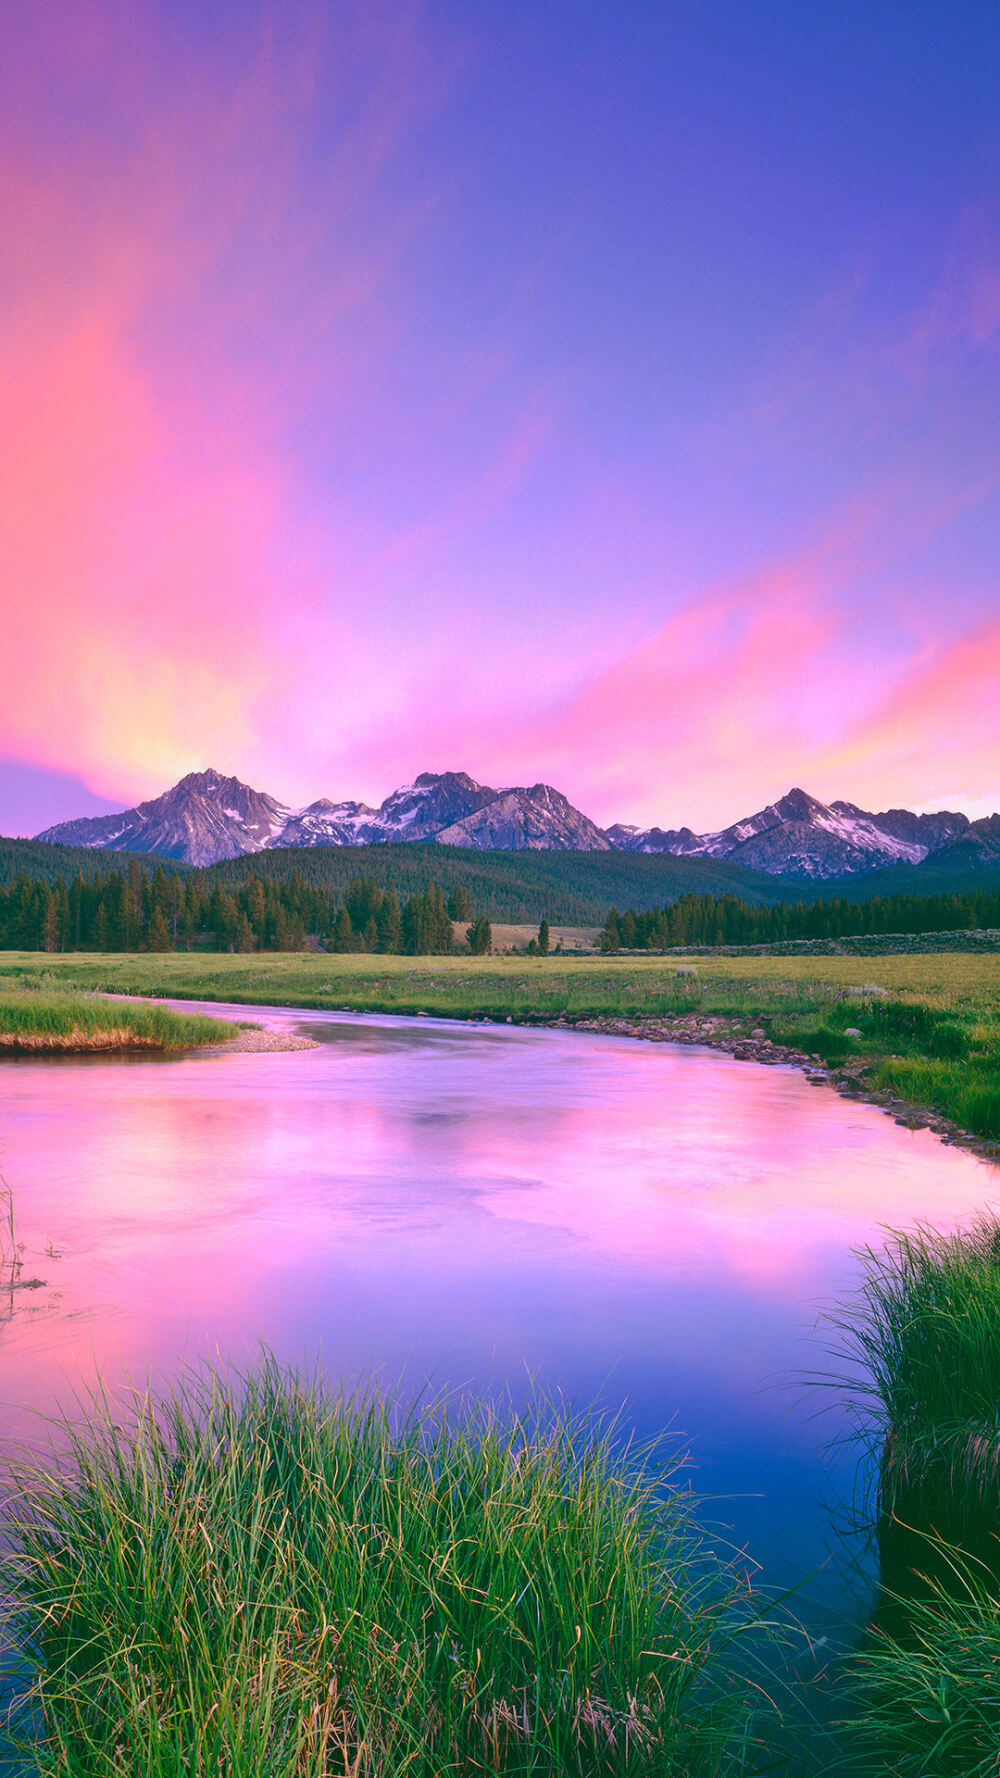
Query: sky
column 600, row 393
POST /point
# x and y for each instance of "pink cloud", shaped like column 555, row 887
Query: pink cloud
column 940, row 728
column 173, row 303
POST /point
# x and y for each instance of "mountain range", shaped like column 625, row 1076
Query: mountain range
column 207, row 817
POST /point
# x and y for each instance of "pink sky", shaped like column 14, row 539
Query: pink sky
column 386, row 388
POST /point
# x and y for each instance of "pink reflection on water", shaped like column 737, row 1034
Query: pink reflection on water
column 450, row 1198
column 710, row 1168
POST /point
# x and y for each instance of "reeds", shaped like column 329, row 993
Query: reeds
column 255, row 1576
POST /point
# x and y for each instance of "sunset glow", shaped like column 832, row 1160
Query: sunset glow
column 593, row 395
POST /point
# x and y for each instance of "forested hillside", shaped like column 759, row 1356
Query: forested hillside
column 571, row 888
column 44, row 863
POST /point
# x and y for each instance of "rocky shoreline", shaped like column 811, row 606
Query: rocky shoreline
column 875, row 944
column 848, row 1079
column 254, row 1040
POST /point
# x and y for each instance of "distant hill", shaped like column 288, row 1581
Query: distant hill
column 956, row 875
column 575, row 888
column 976, row 848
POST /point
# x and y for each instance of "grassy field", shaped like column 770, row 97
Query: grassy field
column 929, row 1025
column 514, row 937
column 38, row 1018
column 254, row 1577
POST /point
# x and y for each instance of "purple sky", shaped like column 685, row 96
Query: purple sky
column 603, row 394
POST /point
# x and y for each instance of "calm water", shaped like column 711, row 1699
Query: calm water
column 628, row 1223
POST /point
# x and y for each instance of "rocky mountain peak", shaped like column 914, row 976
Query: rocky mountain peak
column 208, row 816
column 798, row 805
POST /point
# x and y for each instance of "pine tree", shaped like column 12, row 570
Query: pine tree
column 479, row 938
column 343, row 932
column 77, row 905
column 610, row 937
column 174, row 906
column 51, row 935
column 543, row 939
column 363, row 900
column 132, row 907
column 389, row 923
column 158, row 936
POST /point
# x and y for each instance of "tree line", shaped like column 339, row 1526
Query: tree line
column 139, row 910
column 161, row 910
column 726, row 920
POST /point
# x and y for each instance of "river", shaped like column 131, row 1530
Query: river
column 649, row 1227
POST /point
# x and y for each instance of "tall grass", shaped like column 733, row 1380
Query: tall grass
column 925, row 1327
column 254, row 1576
column 967, row 1092
column 56, row 1019
column 928, row 1697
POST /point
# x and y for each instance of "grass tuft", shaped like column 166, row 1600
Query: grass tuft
column 35, row 1020
column 928, row 1698
column 925, row 1326
column 255, row 1576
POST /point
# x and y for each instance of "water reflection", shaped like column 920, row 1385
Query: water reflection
column 478, row 1204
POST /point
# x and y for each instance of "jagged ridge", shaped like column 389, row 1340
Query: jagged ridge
column 207, row 817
